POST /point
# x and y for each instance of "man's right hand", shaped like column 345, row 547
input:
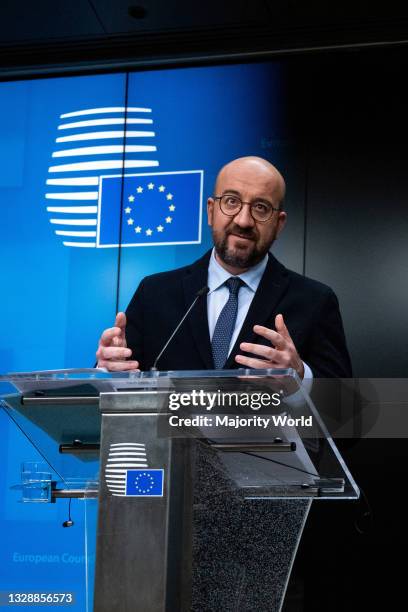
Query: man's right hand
column 112, row 353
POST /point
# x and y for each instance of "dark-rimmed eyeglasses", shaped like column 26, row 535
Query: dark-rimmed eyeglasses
column 231, row 205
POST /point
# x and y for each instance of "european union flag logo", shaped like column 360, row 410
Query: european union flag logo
column 144, row 483
column 157, row 209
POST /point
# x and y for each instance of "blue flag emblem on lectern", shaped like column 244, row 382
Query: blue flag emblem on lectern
column 150, row 209
column 144, row 483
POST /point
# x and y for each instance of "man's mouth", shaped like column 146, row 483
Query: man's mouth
column 242, row 237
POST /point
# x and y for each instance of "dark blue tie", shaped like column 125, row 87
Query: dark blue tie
column 224, row 327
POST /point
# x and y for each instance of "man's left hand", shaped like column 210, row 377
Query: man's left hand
column 282, row 353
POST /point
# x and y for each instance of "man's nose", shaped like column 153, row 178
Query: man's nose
column 244, row 217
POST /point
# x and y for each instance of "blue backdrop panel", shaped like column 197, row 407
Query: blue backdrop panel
column 62, row 144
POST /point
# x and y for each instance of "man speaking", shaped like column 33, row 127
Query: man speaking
column 249, row 310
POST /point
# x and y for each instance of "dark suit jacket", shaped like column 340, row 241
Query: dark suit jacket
column 310, row 310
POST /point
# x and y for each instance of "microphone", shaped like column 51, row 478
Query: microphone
column 200, row 293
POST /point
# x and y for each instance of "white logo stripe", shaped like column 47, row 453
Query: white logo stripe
column 128, row 459
column 127, row 444
column 76, row 234
column 73, row 195
column 80, row 244
column 73, row 209
column 80, row 180
column 106, row 109
column 115, row 459
column 117, row 466
column 103, row 150
column 73, row 221
column 124, row 463
column 105, row 165
column 116, row 473
column 115, row 121
column 127, row 453
column 103, row 135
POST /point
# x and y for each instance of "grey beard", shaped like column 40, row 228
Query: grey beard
column 235, row 260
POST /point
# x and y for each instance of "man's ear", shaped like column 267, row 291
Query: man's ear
column 210, row 210
column 281, row 222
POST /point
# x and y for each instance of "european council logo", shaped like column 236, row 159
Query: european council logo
column 102, row 192
column 123, row 456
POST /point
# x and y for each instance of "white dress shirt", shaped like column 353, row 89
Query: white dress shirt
column 218, row 296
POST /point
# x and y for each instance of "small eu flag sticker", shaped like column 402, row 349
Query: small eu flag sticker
column 144, row 483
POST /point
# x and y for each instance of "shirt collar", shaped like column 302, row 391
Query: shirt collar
column 217, row 275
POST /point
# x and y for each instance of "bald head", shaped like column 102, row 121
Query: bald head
column 253, row 170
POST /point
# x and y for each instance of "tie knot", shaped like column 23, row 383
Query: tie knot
column 233, row 284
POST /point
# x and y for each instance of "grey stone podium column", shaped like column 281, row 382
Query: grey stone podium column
column 243, row 550
column 202, row 546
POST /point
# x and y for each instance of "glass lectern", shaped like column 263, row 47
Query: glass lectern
column 195, row 485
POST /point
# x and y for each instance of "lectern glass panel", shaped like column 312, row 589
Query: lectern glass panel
column 246, row 442
column 263, row 423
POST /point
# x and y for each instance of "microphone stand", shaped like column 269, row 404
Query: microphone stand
column 199, row 294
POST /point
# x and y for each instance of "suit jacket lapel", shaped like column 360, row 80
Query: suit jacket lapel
column 195, row 279
column 273, row 285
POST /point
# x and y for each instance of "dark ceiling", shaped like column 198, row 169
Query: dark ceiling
column 50, row 34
